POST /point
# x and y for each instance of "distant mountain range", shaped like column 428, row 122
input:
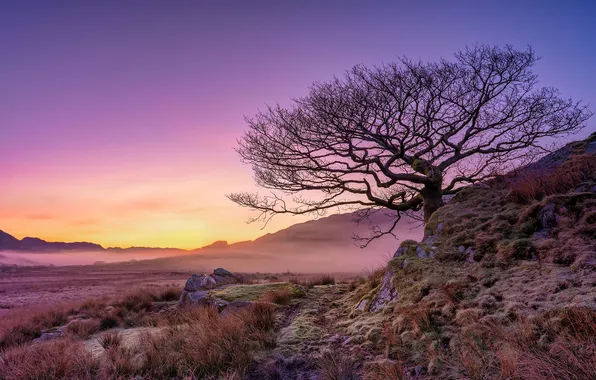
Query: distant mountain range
column 31, row 244
column 336, row 229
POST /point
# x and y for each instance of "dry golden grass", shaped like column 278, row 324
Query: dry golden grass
column 59, row 359
column 559, row 344
column 111, row 339
column 310, row 281
column 22, row 325
column 385, row 370
column 280, row 297
column 195, row 343
column 335, row 366
column 209, row 344
column 537, row 185
column 83, row 328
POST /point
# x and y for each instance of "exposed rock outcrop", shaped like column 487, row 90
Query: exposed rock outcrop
column 387, row 292
column 408, row 250
column 197, row 287
column 201, row 298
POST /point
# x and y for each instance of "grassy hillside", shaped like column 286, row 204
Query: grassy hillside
column 511, row 291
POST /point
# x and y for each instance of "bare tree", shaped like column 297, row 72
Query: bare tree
column 403, row 135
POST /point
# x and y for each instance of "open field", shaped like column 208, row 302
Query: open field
column 27, row 286
column 24, row 286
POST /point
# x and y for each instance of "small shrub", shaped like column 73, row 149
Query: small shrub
column 83, row 328
column 109, row 322
column 453, row 291
column 385, row 370
column 259, row 316
column 110, row 339
column 93, row 307
column 335, row 366
column 137, row 300
column 519, row 249
column 390, row 337
column 374, row 277
column 301, row 282
column 169, row 293
column 352, row 285
column 280, row 297
column 120, row 362
column 325, row 279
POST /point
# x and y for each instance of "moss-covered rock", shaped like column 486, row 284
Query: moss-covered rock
column 255, row 291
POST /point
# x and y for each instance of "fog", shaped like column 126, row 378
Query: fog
column 306, row 257
column 78, row 257
column 318, row 246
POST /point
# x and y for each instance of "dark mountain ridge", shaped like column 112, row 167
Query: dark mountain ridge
column 32, row 244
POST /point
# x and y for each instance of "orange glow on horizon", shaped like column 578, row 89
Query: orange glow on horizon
column 176, row 204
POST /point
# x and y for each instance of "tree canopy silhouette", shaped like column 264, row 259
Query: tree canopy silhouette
column 403, row 135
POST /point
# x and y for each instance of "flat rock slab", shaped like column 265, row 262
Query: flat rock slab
column 130, row 338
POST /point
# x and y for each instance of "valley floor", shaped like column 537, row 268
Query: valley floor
column 27, row 286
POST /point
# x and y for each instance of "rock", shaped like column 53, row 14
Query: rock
column 431, row 240
column 362, row 305
column 404, row 263
column 335, row 339
column 201, row 299
column 408, row 250
column 48, row 336
column 208, row 283
column 357, row 339
column 224, row 280
column 422, row 254
column 418, row 371
column 222, row 272
column 220, row 276
column 109, row 309
column 405, row 247
column 386, row 293
column 547, row 216
column 198, row 282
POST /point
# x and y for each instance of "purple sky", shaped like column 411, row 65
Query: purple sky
column 118, row 121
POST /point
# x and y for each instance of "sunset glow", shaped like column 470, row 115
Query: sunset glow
column 118, row 123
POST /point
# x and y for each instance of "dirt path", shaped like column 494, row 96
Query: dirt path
column 308, row 328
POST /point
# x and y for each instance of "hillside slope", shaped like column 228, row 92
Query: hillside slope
column 503, row 285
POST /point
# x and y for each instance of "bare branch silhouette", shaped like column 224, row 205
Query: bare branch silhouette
column 401, row 136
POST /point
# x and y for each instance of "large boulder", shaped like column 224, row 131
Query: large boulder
column 201, row 298
column 198, row 282
column 197, row 287
column 223, row 273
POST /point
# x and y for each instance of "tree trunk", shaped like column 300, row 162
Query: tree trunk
column 432, row 199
